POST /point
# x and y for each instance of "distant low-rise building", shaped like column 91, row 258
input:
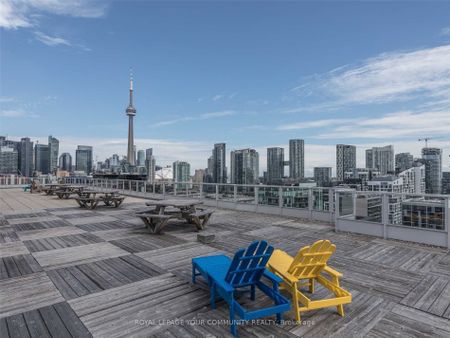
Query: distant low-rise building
column 358, row 177
column 446, row 182
column 423, row 213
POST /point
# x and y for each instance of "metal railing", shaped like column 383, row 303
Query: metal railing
column 421, row 218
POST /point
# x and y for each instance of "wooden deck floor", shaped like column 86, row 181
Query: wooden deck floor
column 68, row 272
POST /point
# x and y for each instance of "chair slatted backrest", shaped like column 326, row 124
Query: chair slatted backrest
column 248, row 264
column 311, row 260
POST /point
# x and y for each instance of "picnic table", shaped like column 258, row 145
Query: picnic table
column 90, row 198
column 64, row 192
column 161, row 211
column 50, row 189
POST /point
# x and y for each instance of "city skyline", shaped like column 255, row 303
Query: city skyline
column 381, row 87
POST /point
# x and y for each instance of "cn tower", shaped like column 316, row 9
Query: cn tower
column 131, row 112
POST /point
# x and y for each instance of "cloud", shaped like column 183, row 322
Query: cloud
column 205, row 116
column 388, row 77
column 393, row 126
column 51, row 40
column 218, row 114
column 313, row 124
column 16, row 114
column 217, row 97
column 5, row 99
column 56, row 41
column 445, row 31
column 16, row 14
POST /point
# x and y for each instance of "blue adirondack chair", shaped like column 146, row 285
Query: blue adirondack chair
column 227, row 278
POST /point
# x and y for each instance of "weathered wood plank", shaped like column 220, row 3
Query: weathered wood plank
column 52, row 259
column 26, row 293
column 13, row 249
column 35, row 324
column 17, row 326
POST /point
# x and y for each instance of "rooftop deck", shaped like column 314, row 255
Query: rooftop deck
column 65, row 271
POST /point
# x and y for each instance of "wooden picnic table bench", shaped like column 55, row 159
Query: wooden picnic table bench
column 91, row 198
column 66, row 191
column 174, row 209
column 50, row 189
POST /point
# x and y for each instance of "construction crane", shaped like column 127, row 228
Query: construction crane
column 426, row 139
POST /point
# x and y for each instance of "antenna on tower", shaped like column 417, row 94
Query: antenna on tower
column 131, row 78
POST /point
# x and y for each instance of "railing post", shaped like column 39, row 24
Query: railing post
column 235, row 193
column 447, row 219
column 280, row 198
column 174, row 189
column 217, row 195
column 310, row 202
column 385, row 213
column 336, row 211
column 164, row 189
column 201, row 190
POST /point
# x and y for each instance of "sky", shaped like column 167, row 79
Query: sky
column 251, row 74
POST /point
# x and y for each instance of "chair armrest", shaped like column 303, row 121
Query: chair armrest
column 332, row 272
column 272, row 277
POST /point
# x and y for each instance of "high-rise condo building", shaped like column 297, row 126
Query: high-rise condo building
column 181, row 172
column 53, row 150
column 219, row 163
column 345, row 159
column 244, row 166
column 322, row 176
column 26, row 165
column 403, row 161
column 150, row 164
column 297, row 159
column 141, row 158
column 131, row 112
column 65, row 162
column 381, row 159
column 199, row 176
column 9, row 160
column 433, row 170
column 275, row 165
column 41, row 158
column 83, row 159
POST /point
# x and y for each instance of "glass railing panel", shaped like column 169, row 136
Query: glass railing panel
column 346, row 204
column 294, row 197
column 209, row 190
column 193, row 190
column 268, row 196
column 245, row 194
column 321, row 199
column 226, row 192
column 421, row 211
column 368, row 207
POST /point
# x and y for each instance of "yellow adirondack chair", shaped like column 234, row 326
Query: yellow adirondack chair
column 308, row 266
